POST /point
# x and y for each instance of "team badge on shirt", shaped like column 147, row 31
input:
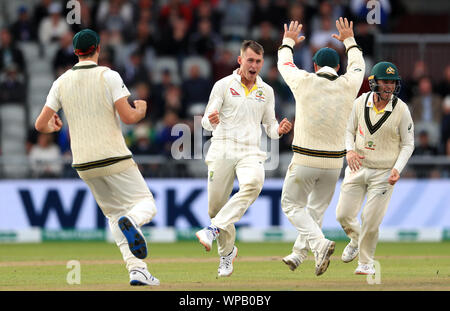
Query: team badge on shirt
column 370, row 145
column 259, row 95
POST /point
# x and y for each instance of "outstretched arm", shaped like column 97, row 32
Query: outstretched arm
column 355, row 65
column 288, row 70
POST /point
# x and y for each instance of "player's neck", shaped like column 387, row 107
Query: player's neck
column 248, row 83
column 90, row 59
column 380, row 103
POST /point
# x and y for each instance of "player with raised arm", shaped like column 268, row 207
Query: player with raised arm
column 323, row 102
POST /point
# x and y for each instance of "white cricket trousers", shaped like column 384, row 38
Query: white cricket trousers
column 223, row 210
column 307, row 192
column 124, row 194
column 355, row 186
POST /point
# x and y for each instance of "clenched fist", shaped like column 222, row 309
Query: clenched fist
column 214, row 117
column 284, row 127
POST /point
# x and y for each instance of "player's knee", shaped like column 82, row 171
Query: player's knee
column 254, row 185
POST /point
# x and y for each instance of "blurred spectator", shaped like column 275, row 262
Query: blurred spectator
column 164, row 132
column 322, row 37
column 224, row 65
column 9, row 53
column 443, row 87
column 365, row 38
column 426, row 110
column 45, row 157
column 303, row 12
column 410, row 86
column 280, row 9
column 12, row 86
column 23, row 29
column 324, row 15
column 143, row 139
column 174, row 41
column 40, row 11
column 107, row 55
column 143, row 91
column 64, row 58
column 174, row 9
column 196, row 88
column 204, row 41
column 134, row 70
column 203, row 10
column 115, row 16
column 267, row 39
column 445, row 126
column 426, row 106
column 424, row 148
column 262, row 12
column 283, row 95
column 236, row 18
column 161, row 88
column 172, row 101
column 54, row 26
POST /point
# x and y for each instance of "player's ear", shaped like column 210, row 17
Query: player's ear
column 337, row 67
column 239, row 60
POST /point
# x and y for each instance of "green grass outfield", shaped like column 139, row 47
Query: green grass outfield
column 185, row 266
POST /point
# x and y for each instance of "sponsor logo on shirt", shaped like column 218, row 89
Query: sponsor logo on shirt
column 233, row 92
column 360, row 130
column 290, row 64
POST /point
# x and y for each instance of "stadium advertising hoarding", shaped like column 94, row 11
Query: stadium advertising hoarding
column 182, row 204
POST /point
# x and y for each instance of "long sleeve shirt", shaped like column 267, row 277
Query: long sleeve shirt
column 241, row 113
column 323, row 102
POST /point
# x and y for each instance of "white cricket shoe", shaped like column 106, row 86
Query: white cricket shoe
column 349, row 253
column 207, row 235
column 365, row 269
column 226, row 263
column 323, row 256
column 141, row 276
column 292, row 260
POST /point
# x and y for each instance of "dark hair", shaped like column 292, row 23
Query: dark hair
column 255, row 46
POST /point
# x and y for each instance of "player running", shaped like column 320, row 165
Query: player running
column 237, row 106
column 91, row 97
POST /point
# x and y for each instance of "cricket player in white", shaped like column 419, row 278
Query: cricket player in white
column 323, row 103
column 379, row 141
column 237, row 106
column 93, row 97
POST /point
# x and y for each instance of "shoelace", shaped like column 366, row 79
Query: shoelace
column 226, row 261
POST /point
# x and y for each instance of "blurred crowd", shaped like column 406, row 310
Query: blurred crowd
column 170, row 53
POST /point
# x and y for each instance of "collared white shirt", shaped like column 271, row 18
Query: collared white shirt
column 241, row 112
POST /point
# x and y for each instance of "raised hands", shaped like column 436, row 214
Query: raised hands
column 293, row 32
column 345, row 29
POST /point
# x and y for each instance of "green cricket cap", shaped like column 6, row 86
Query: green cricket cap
column 85, row 41
column 326, row 57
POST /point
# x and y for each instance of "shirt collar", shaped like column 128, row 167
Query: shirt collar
column 85, row 63
column 388, row 106
column 239, row 78
column 327, row 70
